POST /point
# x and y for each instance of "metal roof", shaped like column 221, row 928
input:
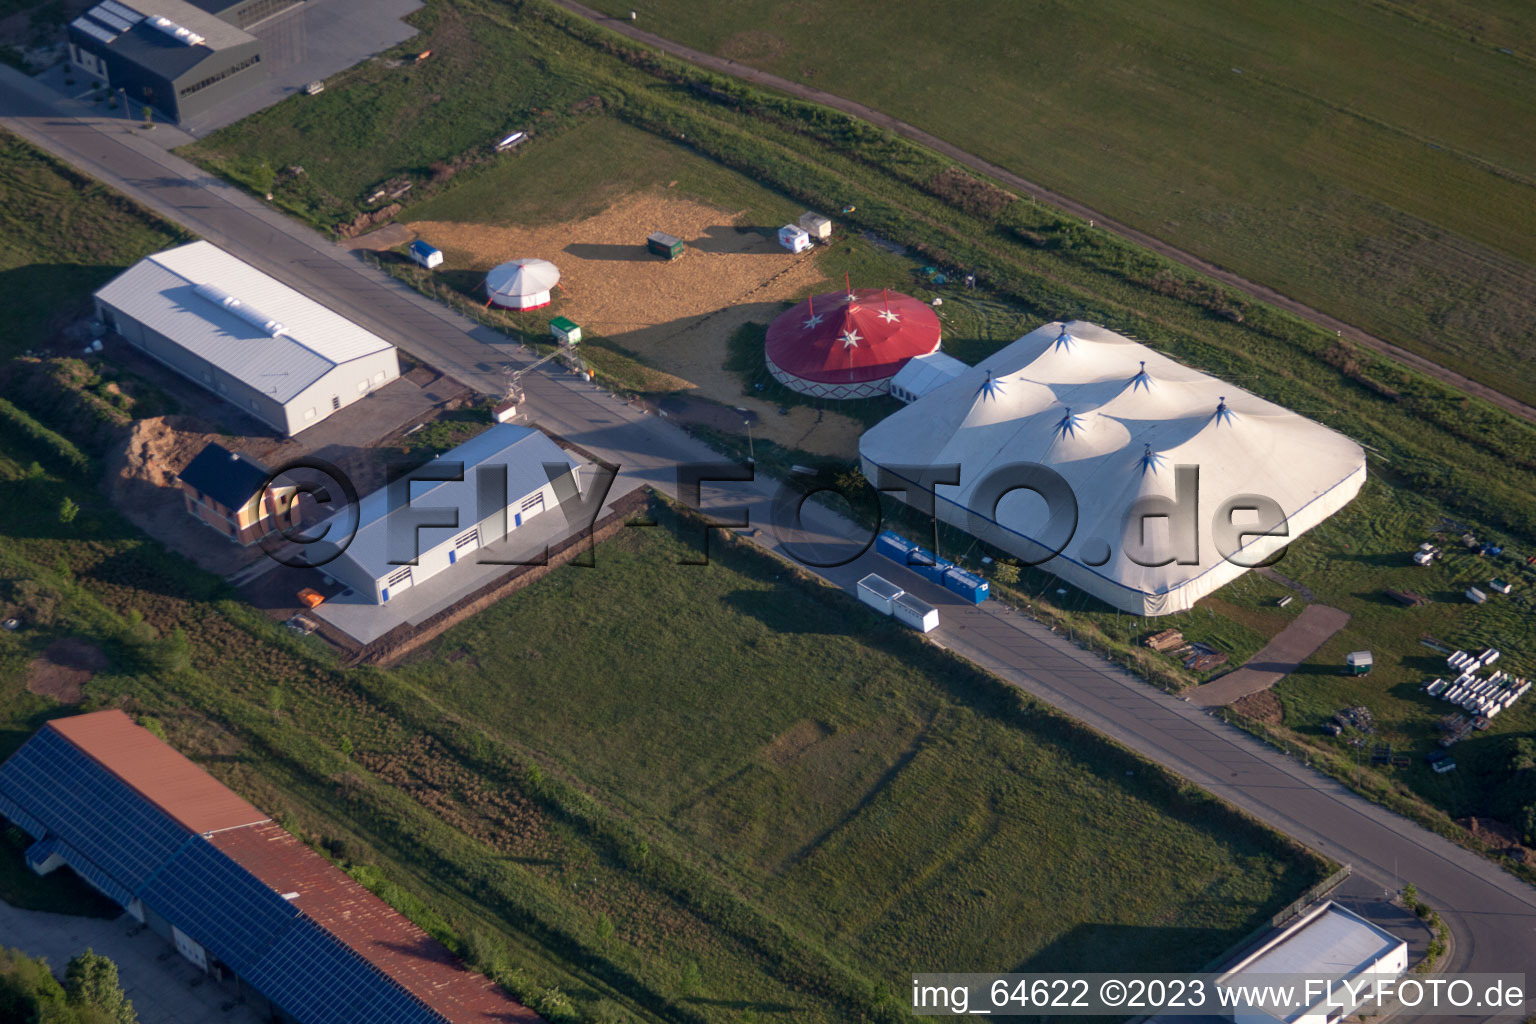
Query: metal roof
column 294, row 926
column 523, row 450
column 1331, row 942
column 93, row 810
column 368, row 926
column 218, row 902
column 922, row 374
column 157, row 771
column 162, row 292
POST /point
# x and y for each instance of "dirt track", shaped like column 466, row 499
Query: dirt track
column 1261, row 292
column 677, row 316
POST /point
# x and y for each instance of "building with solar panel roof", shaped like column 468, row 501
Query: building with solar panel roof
column 235, row 893
column 180, row 58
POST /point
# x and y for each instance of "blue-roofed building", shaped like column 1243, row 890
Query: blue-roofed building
column 507, row 475
column 235, row 893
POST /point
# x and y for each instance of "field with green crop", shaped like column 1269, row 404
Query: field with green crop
column 1366, row 158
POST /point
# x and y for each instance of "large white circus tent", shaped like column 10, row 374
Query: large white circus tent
column 1115, row 420
column 521, row 284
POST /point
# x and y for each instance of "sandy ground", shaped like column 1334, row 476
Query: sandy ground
column 676, row 316
column 64, row 668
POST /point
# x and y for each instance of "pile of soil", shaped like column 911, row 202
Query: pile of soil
column 1263, row 706
column 1500, row 837
column 62, row 670
column 141, row 484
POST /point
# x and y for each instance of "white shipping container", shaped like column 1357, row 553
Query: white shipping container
column 879, row 593
column 920, row 615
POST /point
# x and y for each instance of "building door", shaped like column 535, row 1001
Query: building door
column 396, row 582
column 188, row 948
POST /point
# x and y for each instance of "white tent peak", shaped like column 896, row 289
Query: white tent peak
column 1143, row 379
column 1069, row 425
column 1223, row 414
column 991, row 388
column 1150, row 460
column 1064, row 340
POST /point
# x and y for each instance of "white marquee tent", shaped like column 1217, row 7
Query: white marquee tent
column 1115, row 418
column 521, row 284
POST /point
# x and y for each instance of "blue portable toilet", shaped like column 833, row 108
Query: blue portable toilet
column 968, row 585
column 425, row 254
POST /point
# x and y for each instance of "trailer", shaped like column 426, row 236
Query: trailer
column 918, row 614
column 662, row 244
column 427, row 255
column 892, row 546
column 815, row 225
column 926, row 564
column 1357, row 663
column 565, row 331
column 794, row 238
column 879, row 593
column 968, row 585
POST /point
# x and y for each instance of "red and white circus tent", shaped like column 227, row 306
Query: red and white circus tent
column 849, row 344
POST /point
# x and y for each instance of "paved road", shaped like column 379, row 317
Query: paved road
column 1264, row 293
column 1493, row 914
column 1280, row 657
column 163, row 987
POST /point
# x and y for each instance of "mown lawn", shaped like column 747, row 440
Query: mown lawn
column 1365, row 158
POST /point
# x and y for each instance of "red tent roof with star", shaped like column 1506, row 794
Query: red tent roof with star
column 850, row 337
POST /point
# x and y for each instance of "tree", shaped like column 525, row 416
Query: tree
column 90, row 982
column 68, row 510
column 1006, row 573
column 28, row 991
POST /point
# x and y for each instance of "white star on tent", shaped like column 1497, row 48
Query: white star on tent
column 850, row 339
column 890, row 316
column 813, row 321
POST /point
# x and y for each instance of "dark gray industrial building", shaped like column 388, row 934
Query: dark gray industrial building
column 178, row 57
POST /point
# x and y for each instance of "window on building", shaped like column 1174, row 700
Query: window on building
column 233, row 70
column 535, row 501
column 309, row 414
column 335, row 402
column 362, row 386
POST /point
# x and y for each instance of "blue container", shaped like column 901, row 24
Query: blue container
column 930, row 568
column 892, row 546
column 968, row 585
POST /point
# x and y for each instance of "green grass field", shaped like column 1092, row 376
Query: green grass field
column 597, row 160
column 66, row 236
column 872, row 791
column 1364, row 158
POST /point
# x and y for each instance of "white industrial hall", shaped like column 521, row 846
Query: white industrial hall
column 388, row 554
column 259, row 344
column 1115, row 419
